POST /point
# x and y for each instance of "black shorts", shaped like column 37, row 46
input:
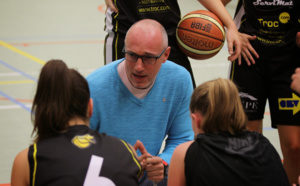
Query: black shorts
column 268, row 81
column 114, row 44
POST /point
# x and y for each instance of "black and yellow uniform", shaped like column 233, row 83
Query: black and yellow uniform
column 275, row 25
column 82, row 156
column 166, row 12
column 247, row 159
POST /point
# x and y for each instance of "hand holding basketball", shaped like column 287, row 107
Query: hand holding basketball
column 200, row 34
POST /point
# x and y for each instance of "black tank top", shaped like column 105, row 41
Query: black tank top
column 247, row 159
column 274, row 22
column 79, row 155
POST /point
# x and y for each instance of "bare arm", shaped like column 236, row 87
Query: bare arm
column 176, row 175
column 247, row 50
column 233, row 39
column 20, row 170
column 225, row 2
column 110, row 3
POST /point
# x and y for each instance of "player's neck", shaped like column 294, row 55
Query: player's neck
column 77, row 121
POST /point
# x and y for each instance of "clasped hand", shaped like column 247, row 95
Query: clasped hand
column 153, row 165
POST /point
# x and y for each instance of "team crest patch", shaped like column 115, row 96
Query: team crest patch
column 290, row 104
column 83, row 141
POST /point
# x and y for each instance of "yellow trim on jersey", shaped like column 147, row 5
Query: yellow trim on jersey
column 35, row 164
column 133, row 157
column 116, row 47
column 232, row 69
column 116, row 31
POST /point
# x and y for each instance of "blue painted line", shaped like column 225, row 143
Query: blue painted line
column 15, row 101
column 17, row 70
column 268, row 128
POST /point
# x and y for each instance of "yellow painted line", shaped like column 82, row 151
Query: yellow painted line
column 16, row 82
column 22, row 52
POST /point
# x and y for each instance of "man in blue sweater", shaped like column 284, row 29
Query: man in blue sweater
column 144, row 97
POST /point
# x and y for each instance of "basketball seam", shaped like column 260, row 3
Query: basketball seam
column 213, row 20
column 201, row 34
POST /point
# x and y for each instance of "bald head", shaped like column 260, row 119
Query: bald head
column 148, row 29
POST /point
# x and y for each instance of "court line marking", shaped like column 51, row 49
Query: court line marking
column 16, row 82
column 14, row 106
column 102, row 8
column 17, row 70
column 21, row 100
column 22, row 52
column 26, row 44
column 15, row 101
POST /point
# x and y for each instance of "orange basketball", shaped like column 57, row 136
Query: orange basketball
column 200, row 34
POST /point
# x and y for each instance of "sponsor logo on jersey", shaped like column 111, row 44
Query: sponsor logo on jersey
column 290, row 104
column 240, row 146
column 274, row 2
column 83, row 141
column 249, row 102
column 284, row 17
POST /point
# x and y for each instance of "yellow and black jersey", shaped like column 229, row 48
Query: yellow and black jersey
column 275, row 24
column 166, row 12
column 82, row 156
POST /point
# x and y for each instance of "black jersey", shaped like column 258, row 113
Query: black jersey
column 166, row 12
column 82, row 156
column 274, row 22
column 248, row 159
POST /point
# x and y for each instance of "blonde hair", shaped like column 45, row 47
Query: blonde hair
column 219, row 103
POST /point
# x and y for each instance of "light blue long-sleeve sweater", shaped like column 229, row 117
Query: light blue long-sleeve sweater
column 163, row 111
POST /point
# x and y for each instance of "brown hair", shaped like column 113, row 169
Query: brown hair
column 219, row 103
column 62, row 94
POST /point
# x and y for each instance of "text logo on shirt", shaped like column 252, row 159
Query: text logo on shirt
column 290, row 104
column 273, row 3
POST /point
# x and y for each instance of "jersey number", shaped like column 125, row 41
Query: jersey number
column 92, row 175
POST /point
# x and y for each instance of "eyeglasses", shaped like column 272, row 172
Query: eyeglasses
column 148, row 60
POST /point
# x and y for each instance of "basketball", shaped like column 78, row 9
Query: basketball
column 200, row 34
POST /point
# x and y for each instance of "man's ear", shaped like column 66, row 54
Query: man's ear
column 167, row 53
column 90, row 108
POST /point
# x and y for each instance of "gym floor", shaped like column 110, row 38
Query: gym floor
column 33, row 32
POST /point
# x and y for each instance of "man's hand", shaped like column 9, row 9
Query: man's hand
column 142, row 159
column 155, row 169
column 152, row 164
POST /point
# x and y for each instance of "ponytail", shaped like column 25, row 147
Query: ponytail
column 55, row 102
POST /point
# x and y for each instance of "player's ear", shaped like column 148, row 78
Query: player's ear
column 197, row 119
